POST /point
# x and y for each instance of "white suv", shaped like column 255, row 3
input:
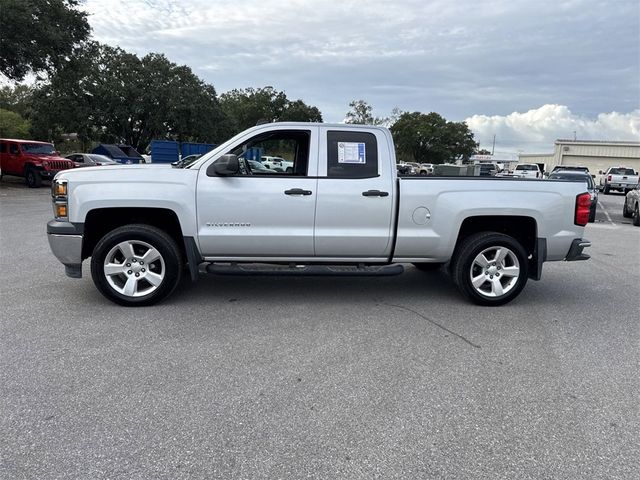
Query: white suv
column 278, row 164
column 528, row 170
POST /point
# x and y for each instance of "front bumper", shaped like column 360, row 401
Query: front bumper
column 65, row 241
column 575, row 252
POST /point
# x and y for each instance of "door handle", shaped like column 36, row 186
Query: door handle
column 297, row 191
column 375, row 193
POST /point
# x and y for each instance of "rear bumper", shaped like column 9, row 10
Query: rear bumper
column 575, row 252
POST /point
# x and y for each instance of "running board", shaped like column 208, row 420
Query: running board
column 305, row 270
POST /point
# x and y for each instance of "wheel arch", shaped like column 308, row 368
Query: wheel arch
column 100, row 221
column 521, row 227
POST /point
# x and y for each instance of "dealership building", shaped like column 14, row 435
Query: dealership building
column 595, row 154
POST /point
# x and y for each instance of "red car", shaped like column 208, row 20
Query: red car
column 35, row 161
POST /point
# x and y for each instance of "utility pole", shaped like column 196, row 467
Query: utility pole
column 494, row 144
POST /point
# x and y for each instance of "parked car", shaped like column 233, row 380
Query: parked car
column 577, row 175
column 90, row 159
column 425, row 169
column 35, row 161
column 631, row 205
column 488, row 169
column 621, row 179
column 528, row 170
column 277, row 163
column 258, row 168
column 570, row 167
column 405, row 169
column 186, row 161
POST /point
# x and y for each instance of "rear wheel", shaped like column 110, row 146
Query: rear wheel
column 636, row 216
column 32, row 178
column 490, row 268
column 592, row 214
column 625, row 211
column 136, row 265
column 605, row 190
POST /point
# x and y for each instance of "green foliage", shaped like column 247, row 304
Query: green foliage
column 17, row 99
column 483, row 151
column 244, row 108
column 12, row 125
column 430, row 138
column 39, row 35
column 110, row 95
column 361, row 113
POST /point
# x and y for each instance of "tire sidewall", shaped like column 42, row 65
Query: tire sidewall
column 470, row 248
column 154, row 237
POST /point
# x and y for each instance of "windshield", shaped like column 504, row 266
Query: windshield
column 622, row 171
column 38, row 148
column 575, row 177
column 102, row 159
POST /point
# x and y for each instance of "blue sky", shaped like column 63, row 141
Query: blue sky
column 527, row 71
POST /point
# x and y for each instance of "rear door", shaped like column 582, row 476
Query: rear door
column 356, row 190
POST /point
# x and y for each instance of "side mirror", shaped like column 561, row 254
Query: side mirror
column 224, row 166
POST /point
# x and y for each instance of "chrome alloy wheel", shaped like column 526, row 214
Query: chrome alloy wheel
column 134, row 268
column 494, row 271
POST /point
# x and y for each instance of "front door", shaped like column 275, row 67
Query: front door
column 260, row 212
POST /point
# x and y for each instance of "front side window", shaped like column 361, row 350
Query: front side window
column 3, row 147
column 351, row 154
column 13, row 148
column 279, row 152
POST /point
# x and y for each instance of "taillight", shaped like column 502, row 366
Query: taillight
column 583, row 206
column 609, row 178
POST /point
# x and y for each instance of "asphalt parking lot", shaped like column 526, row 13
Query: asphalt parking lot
column 261, row 377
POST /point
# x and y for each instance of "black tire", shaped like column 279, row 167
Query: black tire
column 169, row 266
column 32, row 178
column 625, row 212
column 428, row 267
column 464, row 259
column 605, row 190
column 592, row 214
column 636, row 216
column 424, row 174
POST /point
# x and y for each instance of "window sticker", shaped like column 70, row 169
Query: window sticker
column 351, row 152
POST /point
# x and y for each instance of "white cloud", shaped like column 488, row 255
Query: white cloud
column 456, row 58
column 537, row 129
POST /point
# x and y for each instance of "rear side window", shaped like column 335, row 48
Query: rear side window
column 352, row 155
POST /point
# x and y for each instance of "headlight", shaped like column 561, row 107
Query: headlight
column 59, row 196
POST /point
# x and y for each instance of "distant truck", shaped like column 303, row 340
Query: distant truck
column 622, row 179
column 32, row 160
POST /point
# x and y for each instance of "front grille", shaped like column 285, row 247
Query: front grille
column 60, row 164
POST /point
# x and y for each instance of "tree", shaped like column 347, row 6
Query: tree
column 109, row 95
column 39, row 35
column 12, row 125
column 244, row 108
column 430, row 138
column 483, row 151
column 361, row 113
column 17, row 99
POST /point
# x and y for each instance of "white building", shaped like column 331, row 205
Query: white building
column 595, row 154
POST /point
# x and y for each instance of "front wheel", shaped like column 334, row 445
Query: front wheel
column 136, row 265
column 32, row 178
column 625, row 211
column 490, row 268
column 636, row 216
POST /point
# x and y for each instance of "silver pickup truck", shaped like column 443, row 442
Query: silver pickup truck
column 342, row 210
